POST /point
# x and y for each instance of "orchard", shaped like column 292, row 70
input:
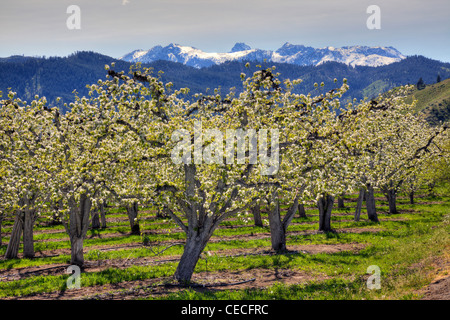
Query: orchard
column 135, row 141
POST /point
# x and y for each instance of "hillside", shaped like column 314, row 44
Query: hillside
column 59, row 76
column 434, row 101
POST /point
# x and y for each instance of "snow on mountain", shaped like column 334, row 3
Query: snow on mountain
column 288, row 53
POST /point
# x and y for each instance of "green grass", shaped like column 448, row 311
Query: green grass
column 375, row 88
column 394, row 252
column 394, row 247
column 434, row 101
column 47, row 284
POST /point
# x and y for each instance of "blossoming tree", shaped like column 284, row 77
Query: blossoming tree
column 25, row 156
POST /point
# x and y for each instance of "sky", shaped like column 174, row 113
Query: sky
column 116, row 27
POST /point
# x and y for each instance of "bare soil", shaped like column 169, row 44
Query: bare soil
column 439, row 288
column 210, row 281
column 96, row 266
column 256, row 236
column 248, row 279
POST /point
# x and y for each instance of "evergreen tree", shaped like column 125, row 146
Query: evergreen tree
column 420, row 84
column 438, row 78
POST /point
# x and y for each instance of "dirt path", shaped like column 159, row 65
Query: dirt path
column 439, row 288
column 214, row 239
column 215, row 281
column 97, row 266
column 257, row 278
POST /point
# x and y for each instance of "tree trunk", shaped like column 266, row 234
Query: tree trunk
column 431, row 186
column 411, row 197
column 161, row 213
column 28, row 243
column 200, row 225
column 277, row 231
column 391, row 196
column 158, row 213
column 279, row 227
column 103, row 215
column 256, row 211
column 370, row 204
column 359, row 203
column 341, row 202
column 79, row 223
column 55, row 220
column 191, row 254
column 76, row 247
column 325, row 205
column 12, row 251
column 301, row 210
column 95, row 223
column 132, row 212
column 198, row 230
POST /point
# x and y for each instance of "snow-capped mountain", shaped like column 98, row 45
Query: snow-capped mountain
column 288, row 53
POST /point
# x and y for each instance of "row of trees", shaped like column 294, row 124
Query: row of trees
column 421, row 84
column 118, row 145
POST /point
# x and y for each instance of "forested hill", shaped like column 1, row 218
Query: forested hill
column 59, row 76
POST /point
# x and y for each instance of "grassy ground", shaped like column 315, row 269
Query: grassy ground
column 433, row 101
column 408, row 248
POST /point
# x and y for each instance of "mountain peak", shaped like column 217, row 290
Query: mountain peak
column 288, row 53
column 291, row 49
column 240, row 46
